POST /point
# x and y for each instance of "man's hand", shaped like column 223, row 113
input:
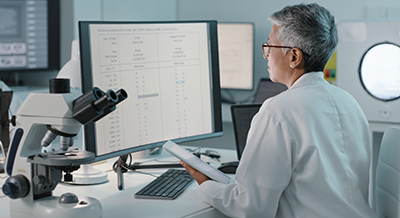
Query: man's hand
column 198, row 176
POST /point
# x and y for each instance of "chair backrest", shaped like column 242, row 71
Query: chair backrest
column 388, row 175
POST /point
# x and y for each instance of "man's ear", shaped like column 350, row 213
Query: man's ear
column 296, row 58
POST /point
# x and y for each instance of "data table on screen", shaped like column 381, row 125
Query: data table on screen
column 162, row 69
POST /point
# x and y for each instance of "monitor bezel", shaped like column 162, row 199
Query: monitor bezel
column 87, row 85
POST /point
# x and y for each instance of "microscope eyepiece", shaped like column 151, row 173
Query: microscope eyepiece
column 121, row 95
column 110, row 98
column 95, row 104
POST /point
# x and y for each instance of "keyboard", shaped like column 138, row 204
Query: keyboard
column 167, row 186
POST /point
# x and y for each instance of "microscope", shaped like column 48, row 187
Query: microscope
column 34, row 172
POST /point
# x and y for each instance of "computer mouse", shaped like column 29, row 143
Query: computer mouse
column 229, row 167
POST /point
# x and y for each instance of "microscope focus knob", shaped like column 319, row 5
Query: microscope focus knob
column 16, row 187
column 68, row 198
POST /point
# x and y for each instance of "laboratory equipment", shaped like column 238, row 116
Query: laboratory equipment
column 170, row 68
column 34, row 172
column 29, row 36
column 72, row 69
column 368, row 66
column 2, row 158
column 5, row 101
column 236, row 55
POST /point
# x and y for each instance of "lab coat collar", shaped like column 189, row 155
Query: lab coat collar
column 309, row 78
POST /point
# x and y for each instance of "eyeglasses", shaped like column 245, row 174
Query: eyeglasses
column 266, row 48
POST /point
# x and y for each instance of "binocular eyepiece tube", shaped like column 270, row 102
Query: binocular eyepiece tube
column 96, row 104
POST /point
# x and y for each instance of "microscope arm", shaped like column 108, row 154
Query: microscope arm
column 13, row 150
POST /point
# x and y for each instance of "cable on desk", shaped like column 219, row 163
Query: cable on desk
column 145, row 173
column 124, row 166
column 140, row 165
column 198, row 149
column 163, row 161
column 137, row 165
column 127, row 166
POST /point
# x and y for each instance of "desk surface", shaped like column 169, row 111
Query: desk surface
column 122, row 203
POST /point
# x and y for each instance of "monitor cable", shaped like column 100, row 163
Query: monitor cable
column 125, row 166
column 122, row 163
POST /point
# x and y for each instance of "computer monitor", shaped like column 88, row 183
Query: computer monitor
column 236, row 55
column 29, row 35
column 170, row 71
column 242, row 115
column 267, row 89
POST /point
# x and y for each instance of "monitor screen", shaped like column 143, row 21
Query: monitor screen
column 29, row 35
column 236, row 54
column 267, row 89
column 170, row 71
column 242, row 115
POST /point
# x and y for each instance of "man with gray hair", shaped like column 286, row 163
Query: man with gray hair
column 308, row 149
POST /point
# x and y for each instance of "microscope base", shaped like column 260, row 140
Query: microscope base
column 86, row 207
column 51, row 207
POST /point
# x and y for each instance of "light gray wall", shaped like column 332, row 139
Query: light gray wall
column 257, row 11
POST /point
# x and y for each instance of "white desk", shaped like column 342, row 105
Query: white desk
column 120, row 204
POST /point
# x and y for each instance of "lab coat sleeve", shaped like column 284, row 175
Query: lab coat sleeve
column 262, row 176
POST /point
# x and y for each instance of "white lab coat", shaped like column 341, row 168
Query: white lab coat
column 307, row 155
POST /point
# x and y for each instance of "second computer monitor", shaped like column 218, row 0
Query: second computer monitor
column 170, row 71
column 267, row 89
column 236, row 52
